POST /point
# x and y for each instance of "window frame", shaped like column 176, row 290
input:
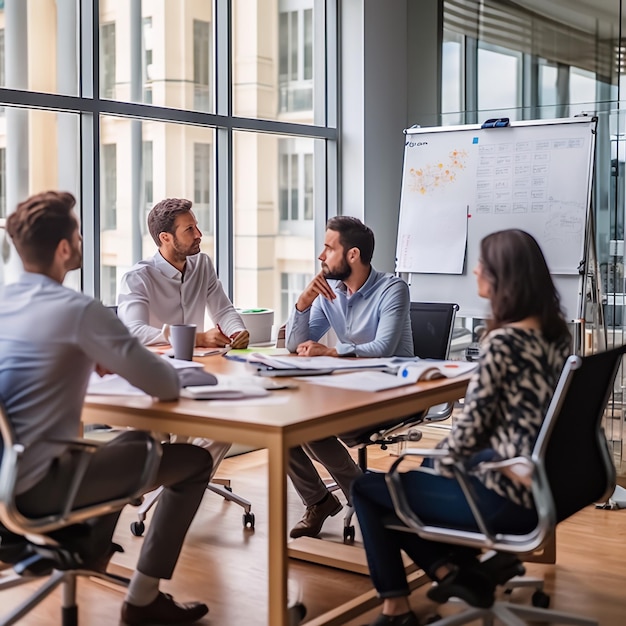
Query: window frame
column 89, row 105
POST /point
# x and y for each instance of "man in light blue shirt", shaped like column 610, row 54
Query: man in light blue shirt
column 369, row 312
column 51, row 339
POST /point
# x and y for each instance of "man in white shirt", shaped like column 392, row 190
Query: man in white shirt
column 51, row 339
column 176, row 286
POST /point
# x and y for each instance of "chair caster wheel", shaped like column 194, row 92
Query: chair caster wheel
column 540, row 599
column 228, row 488
column 248, row 520
column 137, row 528
column 348, row 534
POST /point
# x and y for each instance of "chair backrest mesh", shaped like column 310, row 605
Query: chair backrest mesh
column 432, row 324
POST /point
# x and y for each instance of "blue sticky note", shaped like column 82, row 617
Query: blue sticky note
column 475, row 140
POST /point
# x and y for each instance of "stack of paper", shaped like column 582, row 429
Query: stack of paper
column 366, row 380
column 330, row 363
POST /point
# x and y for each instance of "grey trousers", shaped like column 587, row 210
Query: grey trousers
column 184, row 471
column 334, row 456
column 218, row 449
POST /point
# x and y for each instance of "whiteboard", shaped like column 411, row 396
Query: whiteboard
column 460, row 183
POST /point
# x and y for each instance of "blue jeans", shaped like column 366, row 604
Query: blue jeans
column 436, row 500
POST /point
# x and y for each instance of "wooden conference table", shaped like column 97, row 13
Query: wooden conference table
column 310, row 412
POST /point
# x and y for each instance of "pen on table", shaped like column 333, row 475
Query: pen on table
column 235, row 357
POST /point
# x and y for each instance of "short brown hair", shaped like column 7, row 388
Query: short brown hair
column 40, row 223
column 353, row 233
column 163, row 215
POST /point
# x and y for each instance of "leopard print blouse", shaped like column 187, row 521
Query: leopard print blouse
column 505, row 403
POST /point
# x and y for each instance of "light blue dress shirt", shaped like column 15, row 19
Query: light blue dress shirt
column 372, row 322
column 50, row 339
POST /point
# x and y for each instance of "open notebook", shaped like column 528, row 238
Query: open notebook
column 429, row 369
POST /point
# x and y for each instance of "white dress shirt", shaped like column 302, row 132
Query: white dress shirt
column 154, row 293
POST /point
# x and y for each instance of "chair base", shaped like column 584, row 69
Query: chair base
column 67, row 579
column 221, row 488
column 512, row 615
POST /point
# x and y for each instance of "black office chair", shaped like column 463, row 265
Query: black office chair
column 25, row 542
column 572, row 428
column 432, row 324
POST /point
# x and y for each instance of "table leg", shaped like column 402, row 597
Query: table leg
column 277, row 535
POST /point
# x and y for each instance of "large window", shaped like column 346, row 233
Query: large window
column 177, row 99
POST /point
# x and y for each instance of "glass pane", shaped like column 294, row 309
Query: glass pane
column 267, row 247
column 274, row 71
column 499, row 81
column 451, row 80
column 582, row 91
column 548, row 93
column 37, row 38
column 54, row 164
column 162, row 57
column 308, row 186
column 153, row 161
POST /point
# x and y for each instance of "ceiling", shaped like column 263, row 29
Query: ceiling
column 594, row 16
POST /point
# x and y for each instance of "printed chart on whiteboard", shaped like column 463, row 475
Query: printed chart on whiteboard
column 462, row 183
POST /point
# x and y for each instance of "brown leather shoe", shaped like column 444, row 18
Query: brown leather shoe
column 315, row 516
column 163, row 610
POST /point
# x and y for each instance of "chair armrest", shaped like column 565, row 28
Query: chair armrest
column 18, row 523
column 76, row 443
column 423, row 452
column 519, row 469
column 483, row 538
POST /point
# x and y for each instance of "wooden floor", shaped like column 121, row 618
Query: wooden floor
column 225, row 565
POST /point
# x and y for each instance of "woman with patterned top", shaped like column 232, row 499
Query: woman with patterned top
column 521, row 359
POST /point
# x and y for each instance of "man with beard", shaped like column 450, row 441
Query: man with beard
column 51, row 339
column 176, row 286
column 369, row 312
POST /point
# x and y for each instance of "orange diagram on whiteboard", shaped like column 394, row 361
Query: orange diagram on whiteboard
column 425, row 179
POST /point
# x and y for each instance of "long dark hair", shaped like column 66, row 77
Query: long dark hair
column 521, row 285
